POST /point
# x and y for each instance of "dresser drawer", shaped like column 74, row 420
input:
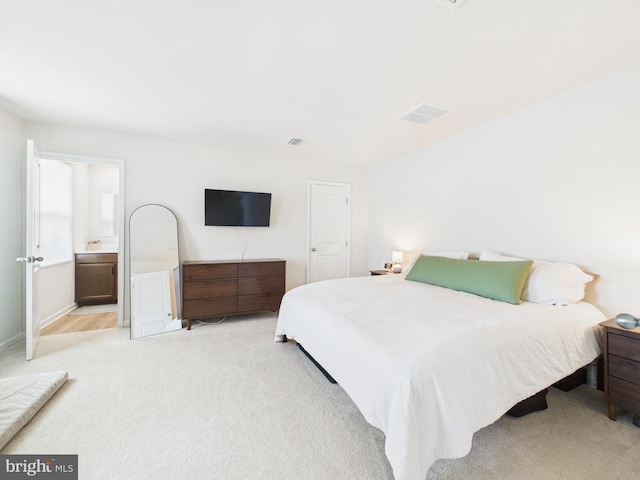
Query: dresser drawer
column 257, row 269
column 228, row 287
column 623, row 346
column 96, row 258
column 625, row 394
column 218, row 287
column 209, row 307
column 253, row 285
column 624, row 368
column 209, row 271
column 265, row 301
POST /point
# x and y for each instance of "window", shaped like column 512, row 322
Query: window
column 56, row 215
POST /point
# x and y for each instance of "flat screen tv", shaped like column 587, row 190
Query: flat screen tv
column 227, row 208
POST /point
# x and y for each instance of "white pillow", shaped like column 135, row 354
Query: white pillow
column 454, row 255
column 549, row 283
column 497, row 257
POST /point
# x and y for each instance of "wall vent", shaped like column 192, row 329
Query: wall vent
column 424, row 114
column 452, row 4
column 295, row 141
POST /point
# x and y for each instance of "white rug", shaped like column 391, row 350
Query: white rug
column 21, row 398
column 93, row 309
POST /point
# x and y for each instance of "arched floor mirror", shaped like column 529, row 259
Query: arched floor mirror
column 154, row 271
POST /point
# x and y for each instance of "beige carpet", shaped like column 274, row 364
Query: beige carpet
column 226, row 402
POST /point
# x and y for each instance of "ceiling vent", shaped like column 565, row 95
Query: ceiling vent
column 424, row 114
column 295, row 141
column 452, row 4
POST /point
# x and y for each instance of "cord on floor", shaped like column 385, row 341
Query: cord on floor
column 218, row 322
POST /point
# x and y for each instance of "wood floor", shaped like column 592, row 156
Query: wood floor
column 81, row 323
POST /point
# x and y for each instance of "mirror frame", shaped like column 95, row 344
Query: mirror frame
column 176, row 323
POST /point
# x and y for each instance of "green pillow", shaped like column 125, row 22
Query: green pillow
column 502, row 281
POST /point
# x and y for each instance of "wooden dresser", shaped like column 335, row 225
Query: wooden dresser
column 622, row 367
column 227, row 287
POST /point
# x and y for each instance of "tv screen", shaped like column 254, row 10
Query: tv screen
column 226, row 208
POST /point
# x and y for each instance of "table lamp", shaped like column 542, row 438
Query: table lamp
column 397, row 257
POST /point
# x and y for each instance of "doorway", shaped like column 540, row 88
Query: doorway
column 328, row 230
column 49, row 281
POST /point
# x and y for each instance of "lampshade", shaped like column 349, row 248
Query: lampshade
column 397, row 256
column 396, row 259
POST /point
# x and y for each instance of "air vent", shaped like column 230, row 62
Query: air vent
column 424, row 114
column 295, row 141
column 452, row 4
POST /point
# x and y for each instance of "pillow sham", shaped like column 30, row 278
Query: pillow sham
column 549, row 283
column 501, row 281
column 452, row 254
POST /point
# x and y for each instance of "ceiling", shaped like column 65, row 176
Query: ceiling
column 251, row 74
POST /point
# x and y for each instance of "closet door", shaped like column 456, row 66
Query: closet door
column 328, row 231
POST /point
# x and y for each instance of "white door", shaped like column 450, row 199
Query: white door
column 151, row 311
column 328, row 231
column 32, row 256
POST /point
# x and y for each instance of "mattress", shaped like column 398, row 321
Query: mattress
column 21, row 398
column 430, row 366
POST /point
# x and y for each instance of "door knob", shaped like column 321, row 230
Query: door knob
column 313, row 249
column 29, row 259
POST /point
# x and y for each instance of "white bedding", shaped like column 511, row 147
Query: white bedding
column 430, row 366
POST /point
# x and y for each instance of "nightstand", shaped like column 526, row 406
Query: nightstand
column 621, row 367
column 380, row 272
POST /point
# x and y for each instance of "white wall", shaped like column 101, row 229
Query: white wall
column 556, row 181
column 81, row 210
column 56, row 291
column 176, row 174
column 11, row 238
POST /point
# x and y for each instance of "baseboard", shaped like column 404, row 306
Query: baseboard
column 11, row 341
column 60, row 313
column 47, row 321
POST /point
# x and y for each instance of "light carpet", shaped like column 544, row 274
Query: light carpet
column 226, row 402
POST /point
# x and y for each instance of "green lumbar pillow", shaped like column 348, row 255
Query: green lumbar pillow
column 502, row 281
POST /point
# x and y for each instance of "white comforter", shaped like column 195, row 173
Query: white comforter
column 430, row 366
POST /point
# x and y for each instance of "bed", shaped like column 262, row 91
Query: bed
column 429, row 365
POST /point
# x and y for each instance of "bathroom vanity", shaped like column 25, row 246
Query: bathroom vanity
column 96, row 278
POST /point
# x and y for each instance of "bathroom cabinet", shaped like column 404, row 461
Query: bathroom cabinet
column 96, row 278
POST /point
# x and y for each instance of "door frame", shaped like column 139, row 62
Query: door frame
column 308, row 240
column 64, row 157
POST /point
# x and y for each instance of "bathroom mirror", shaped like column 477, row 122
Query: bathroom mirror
column 154, row 271
column 108, row 215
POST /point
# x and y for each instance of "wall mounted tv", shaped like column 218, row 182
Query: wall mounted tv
column 227, row 208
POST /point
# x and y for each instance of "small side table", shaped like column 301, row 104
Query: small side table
column 380, row 272
column 621, row 368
